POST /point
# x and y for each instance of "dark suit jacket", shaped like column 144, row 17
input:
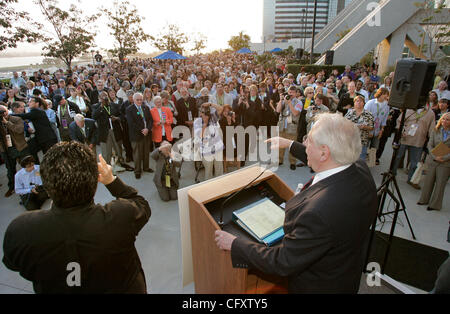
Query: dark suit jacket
column 326, row 232
column 136, row 123
column 102, row 117
column 244, row 116
column 90, row 129
column 183, row 115
column 44, row 131
column 99, row 238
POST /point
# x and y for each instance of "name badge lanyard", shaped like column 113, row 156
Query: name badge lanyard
column 377, row 122
column 141, row 113
column 189, row 111
column 108, row 110
column 8, row 136
column 62, row 112
column 167, row 176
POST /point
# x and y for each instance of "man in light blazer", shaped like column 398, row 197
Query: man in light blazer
column 327, row 224
column 220, row 97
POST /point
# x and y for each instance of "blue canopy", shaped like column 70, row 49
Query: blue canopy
column 244, row 50
column 171, row 55
column 276, row 50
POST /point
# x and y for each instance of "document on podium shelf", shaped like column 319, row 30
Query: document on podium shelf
column 441, row 150
column 263, row 220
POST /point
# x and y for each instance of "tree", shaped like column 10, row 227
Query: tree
column 199, row 42
column 438, row 33
column 125, row 25
column 171, row 38
column 240, row 41
column 15, row 26
column 342, row 34
column 368, row 58
column 70, row 34
column 267, row 61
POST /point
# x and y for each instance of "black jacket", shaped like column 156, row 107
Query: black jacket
column 102, row 116
column 41, row 244
column 183, row 110
column 246, row 116
column 90, row 129
column 136, row 122
column 44, row 131
column 344, row 101
column 72, row 107
column 326, row 234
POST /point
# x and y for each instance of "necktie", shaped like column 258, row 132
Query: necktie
column 307, row 185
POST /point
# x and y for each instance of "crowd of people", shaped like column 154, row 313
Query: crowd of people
column 130, row 110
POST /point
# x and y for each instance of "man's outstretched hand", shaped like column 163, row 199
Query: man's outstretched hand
column 279, row 142
column 105, row 174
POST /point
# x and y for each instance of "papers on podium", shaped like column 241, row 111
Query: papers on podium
column 263, row 220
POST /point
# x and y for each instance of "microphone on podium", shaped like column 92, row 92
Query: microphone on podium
column 221, row 222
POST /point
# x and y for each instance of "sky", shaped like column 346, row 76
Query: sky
column 218, row 20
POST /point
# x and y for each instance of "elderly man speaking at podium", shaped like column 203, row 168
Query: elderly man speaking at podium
column 327, row 224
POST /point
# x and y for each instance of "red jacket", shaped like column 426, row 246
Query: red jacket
column 157, row 129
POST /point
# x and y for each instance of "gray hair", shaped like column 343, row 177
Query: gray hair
column 79, row 117
column 136, row 95
column 340, row 135
column 204, row 90
column 156, row 98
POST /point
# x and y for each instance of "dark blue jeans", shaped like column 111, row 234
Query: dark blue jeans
column 414, row 157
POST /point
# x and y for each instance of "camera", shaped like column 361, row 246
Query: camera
column 287, row 97
column 230, row 114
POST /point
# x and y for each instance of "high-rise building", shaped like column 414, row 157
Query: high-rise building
column 293, row 19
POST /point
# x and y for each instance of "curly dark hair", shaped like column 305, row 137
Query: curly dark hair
column 69, row 173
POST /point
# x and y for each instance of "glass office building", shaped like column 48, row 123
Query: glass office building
column 293, row 19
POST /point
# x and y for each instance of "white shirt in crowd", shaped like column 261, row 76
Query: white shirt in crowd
column 444, row 94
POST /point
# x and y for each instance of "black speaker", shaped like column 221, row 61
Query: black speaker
column 413, row 80
column 299, row 53
column 329, row 57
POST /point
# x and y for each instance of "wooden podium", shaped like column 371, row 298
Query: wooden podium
column 213, row 271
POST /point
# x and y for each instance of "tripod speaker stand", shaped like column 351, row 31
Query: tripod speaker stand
column 412, row 81
column 385, row 190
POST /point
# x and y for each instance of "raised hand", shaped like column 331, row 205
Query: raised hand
column 279, row 142
column 105, row 174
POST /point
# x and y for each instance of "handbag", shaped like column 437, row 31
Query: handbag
column 371, row 160
column 417, row 176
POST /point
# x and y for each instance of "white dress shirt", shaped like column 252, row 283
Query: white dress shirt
column 328, row 173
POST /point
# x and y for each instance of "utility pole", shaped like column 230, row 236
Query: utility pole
column 313, row 32
column 304, row 28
